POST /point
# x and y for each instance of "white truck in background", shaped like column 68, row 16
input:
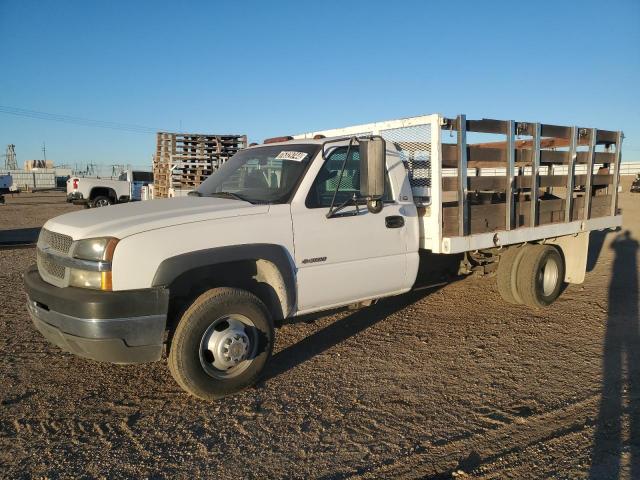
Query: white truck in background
column 323, row 220
column 101, row 192
column 6, row 184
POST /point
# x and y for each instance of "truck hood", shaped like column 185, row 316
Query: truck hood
column 123, row 220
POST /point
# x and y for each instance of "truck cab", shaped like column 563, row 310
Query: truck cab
column 281, row 230
column 137, row 180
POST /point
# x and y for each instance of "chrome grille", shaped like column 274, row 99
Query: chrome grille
column 49, row 267
column 50, row 270
column 56, row 241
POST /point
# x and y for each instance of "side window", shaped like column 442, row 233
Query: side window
column 141, row 176
column 324, row 186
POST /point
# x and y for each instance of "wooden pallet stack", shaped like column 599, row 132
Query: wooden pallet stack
column 184, row 160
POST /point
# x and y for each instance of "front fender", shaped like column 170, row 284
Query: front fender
column 171, row 268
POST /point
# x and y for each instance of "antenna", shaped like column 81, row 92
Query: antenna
column 44, row 152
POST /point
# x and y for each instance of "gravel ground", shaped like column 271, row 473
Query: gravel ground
column 451, row 383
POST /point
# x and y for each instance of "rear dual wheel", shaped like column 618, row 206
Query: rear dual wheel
column 532, row 275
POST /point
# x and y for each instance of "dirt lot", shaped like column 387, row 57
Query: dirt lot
column 436, row 384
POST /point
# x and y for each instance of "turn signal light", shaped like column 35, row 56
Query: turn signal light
column 106, row 282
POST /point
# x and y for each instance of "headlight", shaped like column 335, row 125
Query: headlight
column 85, row 278
column 99, row 249
column 95, row 253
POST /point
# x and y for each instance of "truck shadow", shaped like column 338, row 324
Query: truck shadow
column 435, row 271
column 337, row 332
column 621, row 370
column 596, row 242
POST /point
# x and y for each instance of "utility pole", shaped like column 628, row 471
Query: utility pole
column 44, row 152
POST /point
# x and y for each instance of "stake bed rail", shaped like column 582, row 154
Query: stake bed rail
column 557, row 180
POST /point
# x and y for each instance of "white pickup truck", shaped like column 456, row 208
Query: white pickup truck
column 322, row 220
column 101, row 192
column 6, row 184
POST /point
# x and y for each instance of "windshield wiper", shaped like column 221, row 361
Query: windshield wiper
column 235, row 196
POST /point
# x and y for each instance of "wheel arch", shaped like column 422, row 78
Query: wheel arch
column 265, row 270
column 105, row 191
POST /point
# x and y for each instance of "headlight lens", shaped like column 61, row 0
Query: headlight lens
column 85, row 278
column 94, row 250
column 98, row 249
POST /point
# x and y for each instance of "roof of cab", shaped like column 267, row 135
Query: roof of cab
column 301, row 141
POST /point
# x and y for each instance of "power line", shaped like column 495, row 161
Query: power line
column 125, row 127
column 85, row 122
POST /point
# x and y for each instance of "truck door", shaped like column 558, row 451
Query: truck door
column 352, row 256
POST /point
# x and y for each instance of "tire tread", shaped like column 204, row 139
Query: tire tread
column 185, row 329
column 506, row 275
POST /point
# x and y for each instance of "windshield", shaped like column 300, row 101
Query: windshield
column 261, row 175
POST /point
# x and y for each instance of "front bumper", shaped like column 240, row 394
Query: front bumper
column 119, row 327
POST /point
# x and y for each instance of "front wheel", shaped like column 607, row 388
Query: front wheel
column 222, row 343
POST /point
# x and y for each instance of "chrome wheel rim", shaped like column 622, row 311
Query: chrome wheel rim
column 228, row 346
column 102, row 203
column 550, row 273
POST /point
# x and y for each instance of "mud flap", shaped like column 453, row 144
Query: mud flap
column 574, row 250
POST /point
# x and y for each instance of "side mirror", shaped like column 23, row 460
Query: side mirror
column 372, row 171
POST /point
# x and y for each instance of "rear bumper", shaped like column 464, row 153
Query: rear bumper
column 117, row 327
column 75, row 197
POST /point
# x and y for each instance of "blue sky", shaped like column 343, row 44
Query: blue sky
column 274, row 68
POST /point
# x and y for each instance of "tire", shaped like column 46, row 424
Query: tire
column 507, row 274
column 101, row 201
column 201, row 356
column 540, row 275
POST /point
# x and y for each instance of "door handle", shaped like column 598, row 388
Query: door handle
column 394, row 221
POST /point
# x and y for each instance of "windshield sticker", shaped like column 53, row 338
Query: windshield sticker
column 291, row 155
